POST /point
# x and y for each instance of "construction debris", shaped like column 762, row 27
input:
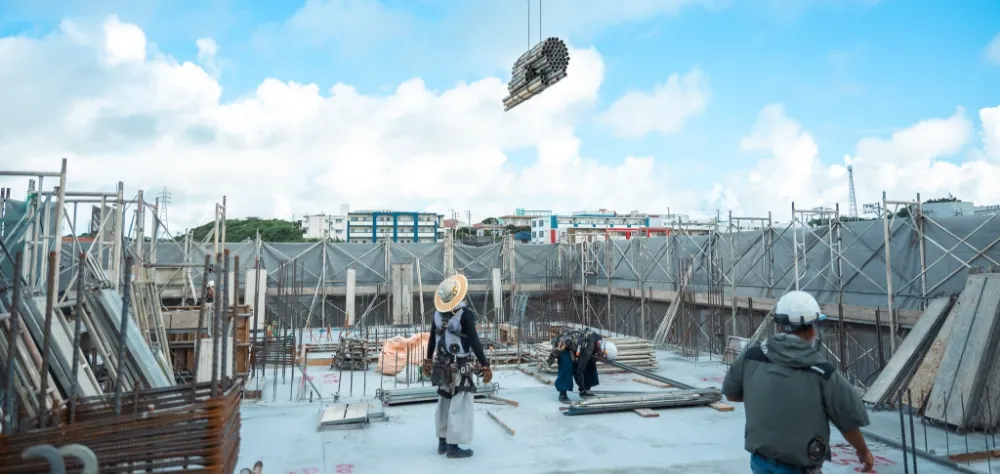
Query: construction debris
column 402, row 396
column 667, row 399
column 348, row 416
column 352, row 354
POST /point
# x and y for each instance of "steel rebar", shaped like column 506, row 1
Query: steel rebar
column 15, row 330
column 202, row 324
column 77, row 329
column 126, row 303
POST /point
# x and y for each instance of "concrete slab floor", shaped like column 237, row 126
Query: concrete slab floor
column 283, row 434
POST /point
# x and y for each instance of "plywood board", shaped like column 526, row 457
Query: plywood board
column 967, row 341
column 923, row 378
column 902, row 362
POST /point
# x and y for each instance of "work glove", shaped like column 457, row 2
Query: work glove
column 486, row 373
column 551, row 359
column 426, row 367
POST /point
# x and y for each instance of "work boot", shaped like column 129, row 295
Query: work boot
column 455, row 452
column 563, row 398
column 586, row 394
column 442, row 446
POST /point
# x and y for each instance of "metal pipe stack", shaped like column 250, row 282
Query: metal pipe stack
column 536, row 70
column 401, row 396
column 669, row 399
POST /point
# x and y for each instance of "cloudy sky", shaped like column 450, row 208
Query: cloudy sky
column 687, row 105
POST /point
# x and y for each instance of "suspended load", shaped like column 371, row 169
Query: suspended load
column 536, row 70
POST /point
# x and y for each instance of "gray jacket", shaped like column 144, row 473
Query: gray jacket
column 791, row 395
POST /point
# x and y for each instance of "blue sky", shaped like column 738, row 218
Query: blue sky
column 845, row 69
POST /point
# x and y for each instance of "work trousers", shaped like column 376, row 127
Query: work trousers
column 454, row 418
column 761, row 465
column 586, row 377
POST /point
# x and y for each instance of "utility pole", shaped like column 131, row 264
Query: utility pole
column 468, row 214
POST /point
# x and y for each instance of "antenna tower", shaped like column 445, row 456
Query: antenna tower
column 851, row 198
column 164, row 202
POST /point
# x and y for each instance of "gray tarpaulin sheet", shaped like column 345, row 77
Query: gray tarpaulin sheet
column 760, row 262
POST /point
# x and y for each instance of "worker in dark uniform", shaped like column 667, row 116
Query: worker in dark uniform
column 792, row 394
column 449, row 365
column 576, row 350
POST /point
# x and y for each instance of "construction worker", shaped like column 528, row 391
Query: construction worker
column 576, row 350
column 792, row 394
column 210, row 292
column 449, row 365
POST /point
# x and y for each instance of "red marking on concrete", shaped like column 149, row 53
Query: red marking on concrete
column 712, row 379
column 327, row 378
column 344, row 468
column 844, row 455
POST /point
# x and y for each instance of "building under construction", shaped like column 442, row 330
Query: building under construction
column 300, row 342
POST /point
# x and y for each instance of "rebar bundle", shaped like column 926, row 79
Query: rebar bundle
column 668, row 399
column 401, row 396
column 537, row 69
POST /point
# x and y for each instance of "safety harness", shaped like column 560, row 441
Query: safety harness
column 451, row 373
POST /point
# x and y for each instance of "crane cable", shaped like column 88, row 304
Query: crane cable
column 530, row 44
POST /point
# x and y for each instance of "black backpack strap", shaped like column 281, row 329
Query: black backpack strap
column 824, row 369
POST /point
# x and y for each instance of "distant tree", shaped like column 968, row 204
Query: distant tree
column 826, row 221
column 905, row 211
column 491, row 221
column 239, row 230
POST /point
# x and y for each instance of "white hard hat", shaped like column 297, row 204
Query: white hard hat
column 797, row 309
column 609, row 349
column 211, row 283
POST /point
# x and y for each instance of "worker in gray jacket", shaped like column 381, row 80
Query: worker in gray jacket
column 792, row 394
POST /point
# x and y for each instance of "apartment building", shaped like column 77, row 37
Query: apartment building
column 398, row 226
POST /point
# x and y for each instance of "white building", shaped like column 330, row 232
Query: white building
column 403, row 227
column 522, row 217
column 322, row 225
column 596, row 225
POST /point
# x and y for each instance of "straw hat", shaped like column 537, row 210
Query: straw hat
column 450, row 293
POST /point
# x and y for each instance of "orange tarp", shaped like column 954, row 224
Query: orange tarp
column 400, row 351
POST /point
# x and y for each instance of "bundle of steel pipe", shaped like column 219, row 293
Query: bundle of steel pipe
column 667, row 399
column 401, row 396
column 540, row 67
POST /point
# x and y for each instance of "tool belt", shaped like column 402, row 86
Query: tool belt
column 452, row 375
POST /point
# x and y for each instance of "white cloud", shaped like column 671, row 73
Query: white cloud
column 993, row 50
column 208, row 51
column 292, row 147
column 664, row 109
column 152, row 121
column 917, row 159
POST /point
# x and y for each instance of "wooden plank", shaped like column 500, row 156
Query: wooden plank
column 923, row 378
column 903, row 361
column 502, row 424
column 852, row 313
column 966, row 344
column 653, row 383
column 536, row 376
column 719, row 406
column 504, row 400
column 488, row 401
column 646, row 413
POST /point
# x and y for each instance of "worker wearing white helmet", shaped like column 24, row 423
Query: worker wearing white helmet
column 577, row 352
column 792, row 394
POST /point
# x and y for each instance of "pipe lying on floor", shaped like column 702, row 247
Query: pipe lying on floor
column 667, row 399
column 425, row 394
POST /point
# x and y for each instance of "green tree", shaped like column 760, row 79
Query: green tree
column 491, row 221
column 238, row 230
